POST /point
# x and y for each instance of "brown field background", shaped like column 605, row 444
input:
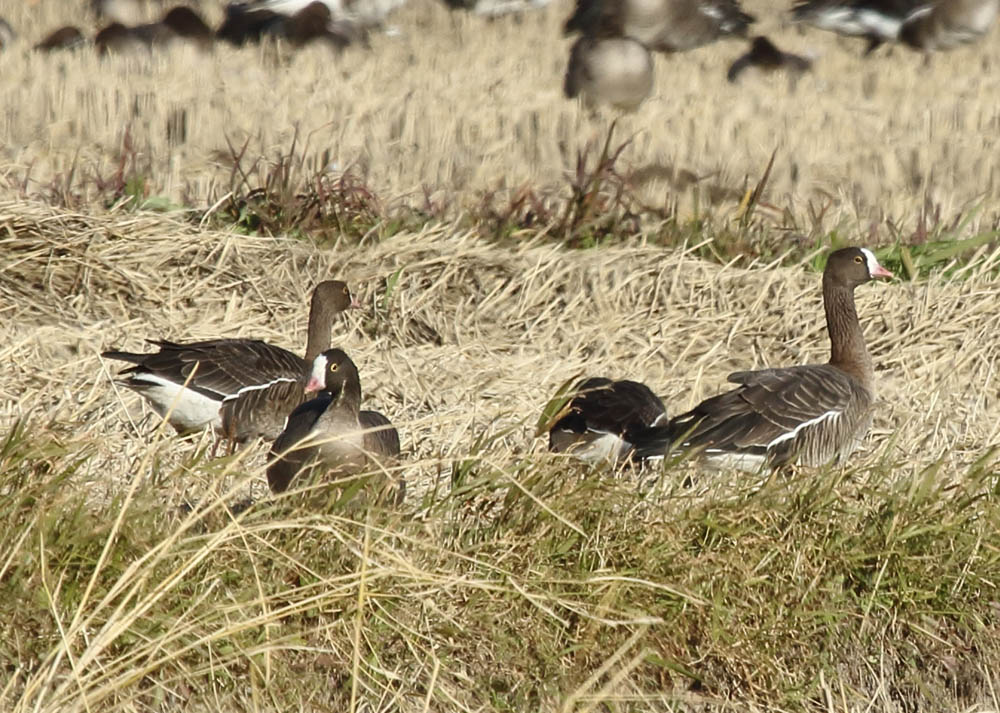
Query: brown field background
column 455, row 103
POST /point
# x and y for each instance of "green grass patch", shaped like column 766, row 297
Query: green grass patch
column 531, row 585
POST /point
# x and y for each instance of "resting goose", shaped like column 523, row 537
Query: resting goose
column 218, row 383
column 660, row 25
column 598, row 421
column 946, row 24
column 614, row 70
column 810, row 414
column 330, row 431
column 877, row 21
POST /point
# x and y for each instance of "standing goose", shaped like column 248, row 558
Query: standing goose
column 660, row 25
column 946, row 24
column 810, row 414
column 877, row 21
column 330, row 431
column 599, row 421
column 190, row 383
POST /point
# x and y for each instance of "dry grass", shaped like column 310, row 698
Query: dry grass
column 465, row 600
column 456, row 105
column 509, row 580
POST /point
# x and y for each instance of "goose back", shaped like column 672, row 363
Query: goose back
column 602, row 417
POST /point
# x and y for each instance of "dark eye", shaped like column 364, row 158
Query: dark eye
column 858, row 259
column 333, row 367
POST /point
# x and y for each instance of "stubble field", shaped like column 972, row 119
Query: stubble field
column 509, row 579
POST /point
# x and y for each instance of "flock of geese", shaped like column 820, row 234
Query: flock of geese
column 310, row 407
column 295, row 22
column 612, row 60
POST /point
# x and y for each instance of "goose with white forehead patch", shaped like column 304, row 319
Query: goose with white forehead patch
column 812, row 414
column 330, row 432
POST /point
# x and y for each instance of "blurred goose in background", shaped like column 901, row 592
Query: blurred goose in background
column 765, row 55
column 598, row 421
column 877, row 21
column 946, row 24
column 7, row 35
column 313, row 21
column 191, row 384
column 615, row 70
column 64, row 38
column 812, row 414
column 660, row 25
column 362, row 13
column 179, row 23
column 330, row 432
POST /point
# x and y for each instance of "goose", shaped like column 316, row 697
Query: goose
column 66, row 37
column 330, row 431
column 180, row 22
column 660, row 25
column 614, row 70
column 764, row 54
column 946, row 24
column 192, row 383
column 877, row 21
column 812, row 414
column 299, row 23
column 598, row 421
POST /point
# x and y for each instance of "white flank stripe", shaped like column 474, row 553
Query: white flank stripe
column 258, row 387
column 662, row 418
column 829, row 415
column 918, row 13
column 883, row 26
column 188, row 409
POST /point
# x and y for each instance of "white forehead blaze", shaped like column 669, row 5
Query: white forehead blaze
column 870, row 258
column 319, row 369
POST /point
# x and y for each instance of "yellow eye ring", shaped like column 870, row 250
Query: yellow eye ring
column 858, row 259
column 333, row 367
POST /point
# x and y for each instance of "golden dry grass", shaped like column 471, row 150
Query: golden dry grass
column 513, row 325
column 421, row 610
column 456, row 103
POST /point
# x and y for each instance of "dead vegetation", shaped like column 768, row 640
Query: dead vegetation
column 455, row 107
column 509, row 579
column 156, row 197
